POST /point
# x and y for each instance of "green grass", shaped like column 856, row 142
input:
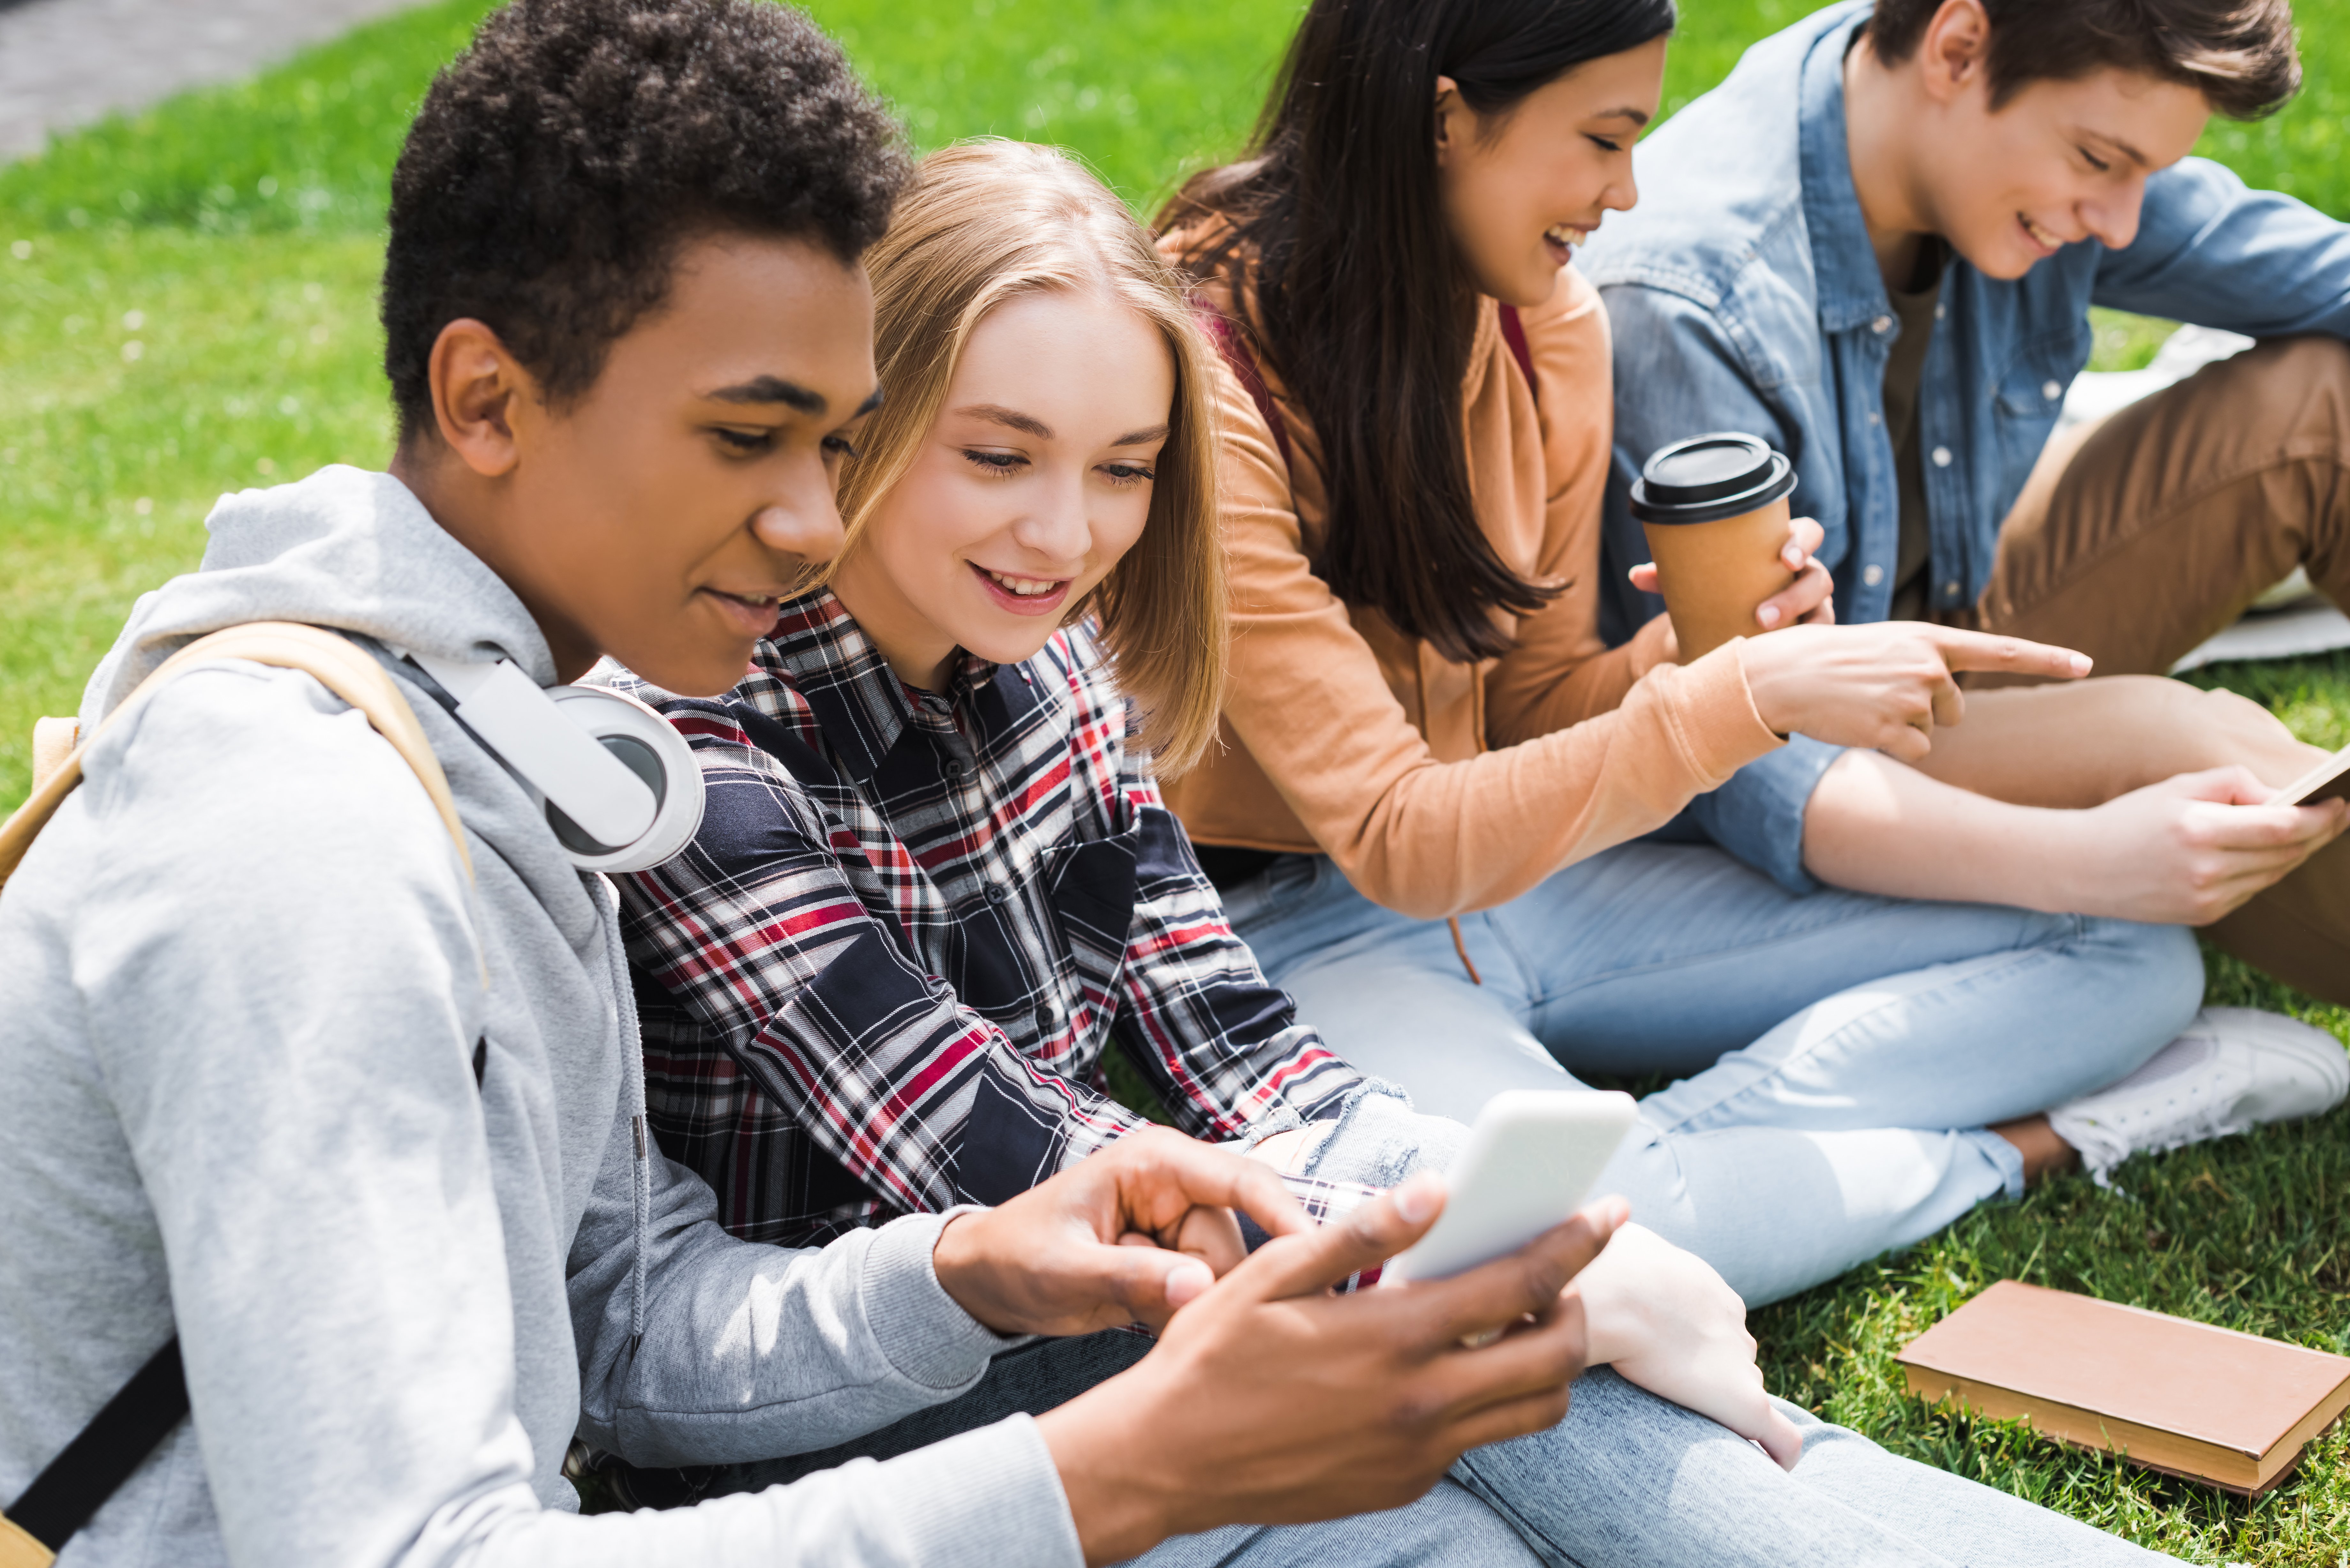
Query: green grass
column 234, row 235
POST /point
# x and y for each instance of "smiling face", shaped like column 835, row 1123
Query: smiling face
column 1033, row 482
column 660, row 515
column 1522, row 188
column 2059, row 162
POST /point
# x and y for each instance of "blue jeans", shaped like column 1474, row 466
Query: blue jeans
column 1841, row 1053
column 1449, row 1528
column 1628, row 1478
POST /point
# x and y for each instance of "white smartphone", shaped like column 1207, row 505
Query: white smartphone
column 1530, row 1163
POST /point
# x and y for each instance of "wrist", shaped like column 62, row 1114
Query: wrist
column 1111, row 1487
column 2051, row 862
column 1763, row 661
column 1615, row 1326
column 958, row 1258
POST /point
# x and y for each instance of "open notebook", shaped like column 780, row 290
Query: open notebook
column 2231, row 1409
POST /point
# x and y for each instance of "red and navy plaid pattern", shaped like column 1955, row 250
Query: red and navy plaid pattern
column 882, row 978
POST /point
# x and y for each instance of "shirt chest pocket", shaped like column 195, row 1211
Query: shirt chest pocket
column 1093, row 888
column 2025, row 405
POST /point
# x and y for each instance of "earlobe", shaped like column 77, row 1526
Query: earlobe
column 476, row 389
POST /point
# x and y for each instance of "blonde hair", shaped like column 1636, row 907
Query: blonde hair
column 986, row 222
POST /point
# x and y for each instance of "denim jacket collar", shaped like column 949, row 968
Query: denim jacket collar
column 1844, row 263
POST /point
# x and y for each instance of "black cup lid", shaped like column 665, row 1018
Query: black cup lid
column 1706, row 478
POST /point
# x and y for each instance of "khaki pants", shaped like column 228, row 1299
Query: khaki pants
column 2134, row 541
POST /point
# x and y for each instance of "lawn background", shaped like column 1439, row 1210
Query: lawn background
column 187, row 300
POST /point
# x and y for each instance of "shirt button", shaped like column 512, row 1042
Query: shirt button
column 2051, row 391
column 1950, row 591
column 954, row 768
column 997, row 892
column 1874, row 576
column 1876, row 418
column 1938, row 309
column 1941, row 457
column 1883, row 323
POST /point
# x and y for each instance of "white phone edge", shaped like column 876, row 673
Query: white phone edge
column 1595, row 1119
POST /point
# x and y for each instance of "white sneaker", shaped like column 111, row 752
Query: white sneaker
column 2233, row 1069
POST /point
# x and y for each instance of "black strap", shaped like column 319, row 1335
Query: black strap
column 118, row 1438
column 116, row 1441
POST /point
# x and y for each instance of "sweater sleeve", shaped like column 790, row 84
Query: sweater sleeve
column 1427, row 837
column 290, row 1066
column 1560, row 671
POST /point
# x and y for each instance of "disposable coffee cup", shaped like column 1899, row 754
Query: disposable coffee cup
column 1715, row 510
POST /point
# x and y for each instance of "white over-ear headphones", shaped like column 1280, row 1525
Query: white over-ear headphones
column 619, row 786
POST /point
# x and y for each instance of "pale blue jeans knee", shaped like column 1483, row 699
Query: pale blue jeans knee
column 1628, row 1478
column 1842, row 1054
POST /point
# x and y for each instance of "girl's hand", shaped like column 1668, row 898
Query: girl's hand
column 1665, row 1321
column 2192, row 849
column 1809, row 600
column 1882, row 686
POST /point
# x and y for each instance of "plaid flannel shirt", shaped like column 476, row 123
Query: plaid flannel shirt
column 882, row 977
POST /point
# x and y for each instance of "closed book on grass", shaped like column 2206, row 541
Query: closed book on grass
column 2231, row 1409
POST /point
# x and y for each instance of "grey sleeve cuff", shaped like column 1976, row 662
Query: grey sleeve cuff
column 1758, row 815
column 985, row 1498
column 920, row 1327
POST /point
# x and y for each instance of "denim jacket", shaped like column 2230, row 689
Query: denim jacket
column 1745, row 296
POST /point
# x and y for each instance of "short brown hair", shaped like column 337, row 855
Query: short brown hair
column 990, row 220
column 2238, row 54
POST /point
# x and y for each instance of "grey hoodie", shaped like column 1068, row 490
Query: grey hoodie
column 243, row 988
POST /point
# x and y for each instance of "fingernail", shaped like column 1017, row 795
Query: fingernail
column 1421, row 1197
column 1188, row 1282
column 2081, row 664
column 1768, row 614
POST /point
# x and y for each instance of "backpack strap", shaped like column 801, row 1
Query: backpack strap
column 76, row 1484
column 93, row 1466
column 330, row 659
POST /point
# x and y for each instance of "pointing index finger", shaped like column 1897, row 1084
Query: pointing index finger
column 1983, row 650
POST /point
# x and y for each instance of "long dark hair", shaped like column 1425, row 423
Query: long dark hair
column 1362, row 302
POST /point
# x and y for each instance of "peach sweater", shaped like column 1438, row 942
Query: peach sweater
column 1439, row 788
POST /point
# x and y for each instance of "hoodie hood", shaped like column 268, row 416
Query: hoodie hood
column 347, row 549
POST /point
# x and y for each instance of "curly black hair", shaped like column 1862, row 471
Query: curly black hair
column 558, row 164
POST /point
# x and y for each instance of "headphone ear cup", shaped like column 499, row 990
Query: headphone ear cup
column 655, row 753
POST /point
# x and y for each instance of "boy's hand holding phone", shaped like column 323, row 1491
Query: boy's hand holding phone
column 1270, row 1400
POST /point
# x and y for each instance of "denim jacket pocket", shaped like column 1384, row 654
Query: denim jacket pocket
column 2030, row 396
